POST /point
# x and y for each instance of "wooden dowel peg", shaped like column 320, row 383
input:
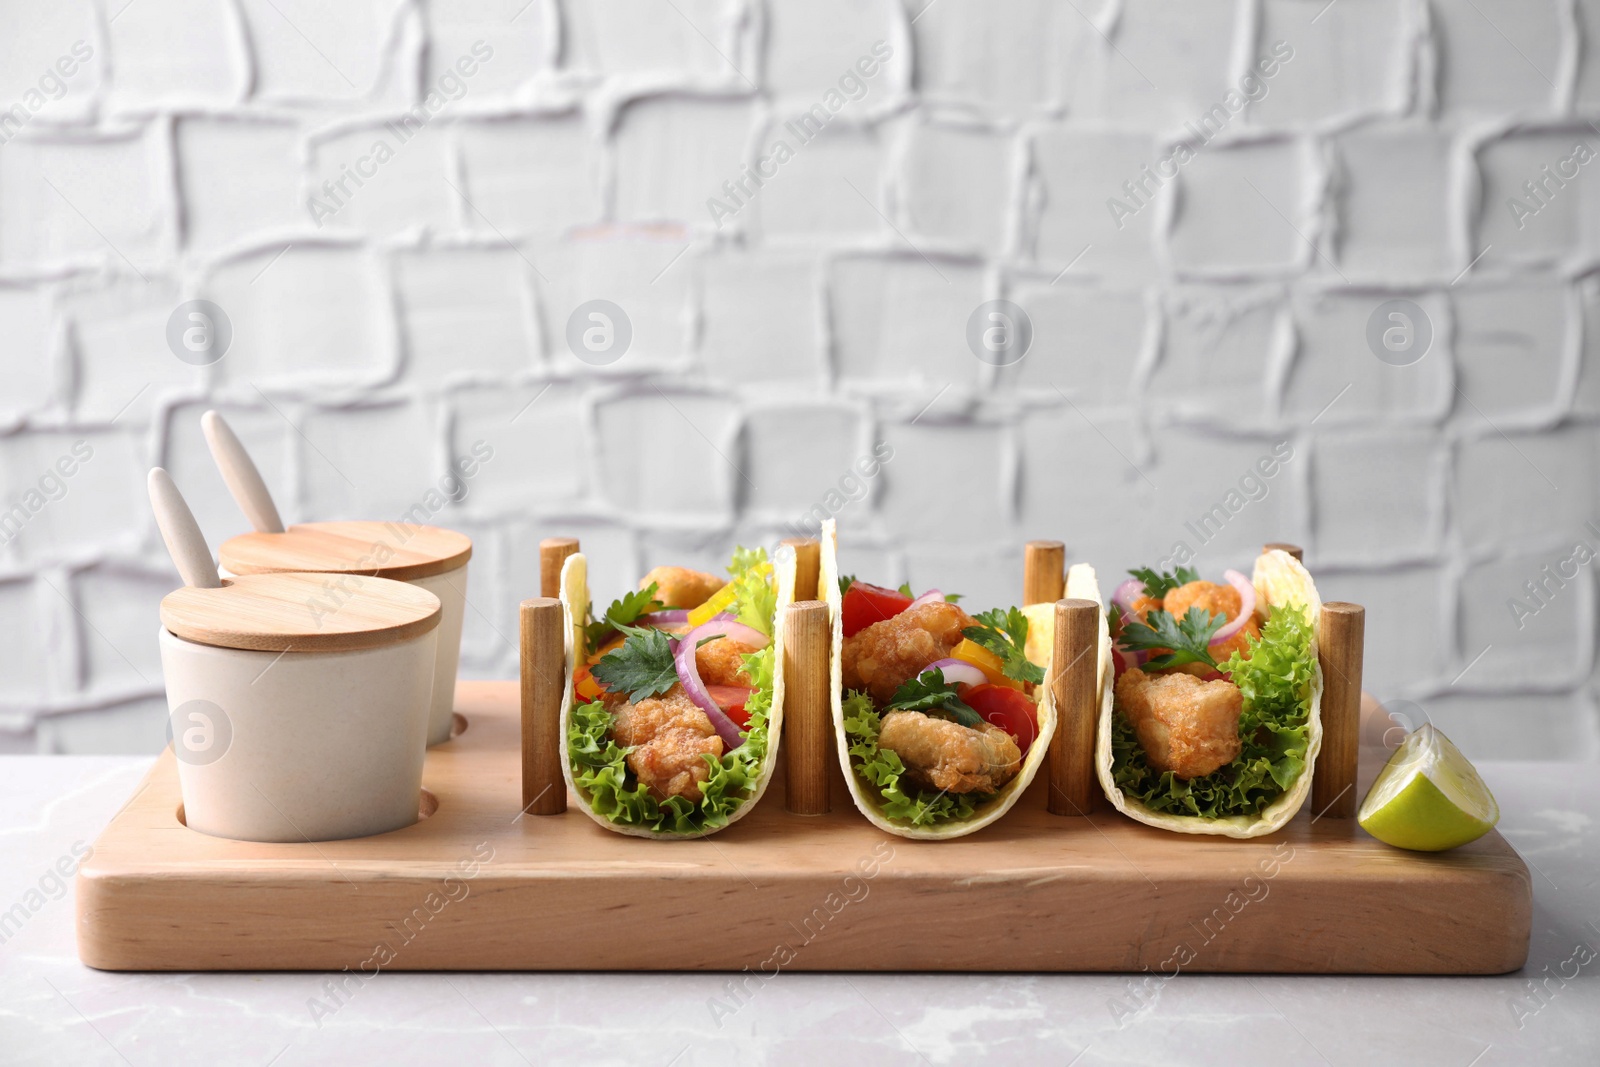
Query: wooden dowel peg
column 807, row 564
column 543, row 676
column 1339, row 650
column 1044, row 572
column 1073, row 669
column 1294, row 550
column 553, row 552
column 807, row 711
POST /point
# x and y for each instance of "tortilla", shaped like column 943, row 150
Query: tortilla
column 575, row 610
column 1279, row 579
column 865, row 794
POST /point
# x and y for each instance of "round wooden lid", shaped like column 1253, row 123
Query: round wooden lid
column 383, row 549
column 300, row 612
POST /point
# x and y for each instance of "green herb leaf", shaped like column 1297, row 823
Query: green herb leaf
column 1157, row 584
column 845, row 582
column 1005, row 633
column 929, row 692
column 905, row 590
column 642, row 667
column 1188, row 639
column 623, row 612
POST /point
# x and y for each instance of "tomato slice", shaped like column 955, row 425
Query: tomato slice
column 865, row 604
column 586, row 686
column 1006, row 708
column 731, row 699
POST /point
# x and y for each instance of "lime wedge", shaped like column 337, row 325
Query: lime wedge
column 1041, row 632
column 1428, row 797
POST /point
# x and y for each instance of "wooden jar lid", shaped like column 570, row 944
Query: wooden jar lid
column 395, row 550
column 300, row 612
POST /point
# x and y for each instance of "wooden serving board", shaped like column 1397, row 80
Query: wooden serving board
column 478, row 886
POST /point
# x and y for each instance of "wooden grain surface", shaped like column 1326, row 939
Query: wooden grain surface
column 300, row 612
column 478, row 886
column 543, row 672
column 383, row 549
column 1044, row 572
column 1074, row 789
column 553, row 552
column 807, row 747
column 1340, row 640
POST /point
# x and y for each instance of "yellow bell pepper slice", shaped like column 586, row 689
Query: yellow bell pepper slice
column 721, row 600
column 969, row 651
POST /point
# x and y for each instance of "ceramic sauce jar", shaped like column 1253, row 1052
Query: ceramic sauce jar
column 300, row 712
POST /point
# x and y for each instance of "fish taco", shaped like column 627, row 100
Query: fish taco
column 1212, row 721
column 671, row 721
column 941, row 717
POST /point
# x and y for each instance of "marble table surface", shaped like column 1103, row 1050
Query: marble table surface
column 54, row 1010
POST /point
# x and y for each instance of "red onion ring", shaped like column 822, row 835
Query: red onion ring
column 932, row 596
column 958, row 671
column 689, row 671
column 1247, row 606
column 674, row 617
column 1126, row 593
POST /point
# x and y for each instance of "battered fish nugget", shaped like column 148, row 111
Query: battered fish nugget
column 669, row 738
column 1185, row 726
column 946, row 755
column 721, row 662
column 886, row 654
column 680, row 587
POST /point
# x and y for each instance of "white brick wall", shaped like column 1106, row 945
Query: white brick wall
column 166, row 150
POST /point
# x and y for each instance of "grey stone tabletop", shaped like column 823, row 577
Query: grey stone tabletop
column 54, row 1010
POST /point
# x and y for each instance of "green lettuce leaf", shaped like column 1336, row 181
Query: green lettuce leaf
column 1274, row 730
column 755, row 592
column 881, row 770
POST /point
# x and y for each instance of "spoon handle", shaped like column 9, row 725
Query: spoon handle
column 185, row 543
column 239, row 471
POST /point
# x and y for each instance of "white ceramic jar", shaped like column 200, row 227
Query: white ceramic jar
column 294, row 724
column 427, row 557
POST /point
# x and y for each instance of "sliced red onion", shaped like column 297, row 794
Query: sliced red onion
column 1126, row 593
column 958, row 671
column 689, row 671
column 932, row 596
column 1247, row 606
column 673, row 617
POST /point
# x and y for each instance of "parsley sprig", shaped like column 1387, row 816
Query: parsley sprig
column 929, row 692
column 622, row 614
column 642, row 667
column 1005, row 633
column 1187, row 639
column 1157, row 584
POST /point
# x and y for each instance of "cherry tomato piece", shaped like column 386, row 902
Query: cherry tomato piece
column 865, row 604
column 731, row 699
column 1006, row 708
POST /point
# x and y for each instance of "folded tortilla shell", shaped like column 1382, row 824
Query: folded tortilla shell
column 864, row 793
column 1280, row 579
column 575, row 609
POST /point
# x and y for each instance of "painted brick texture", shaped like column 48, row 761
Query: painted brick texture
column 401, row 207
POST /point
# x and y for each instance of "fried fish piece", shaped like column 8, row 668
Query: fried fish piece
column 886, row 654
column 946, row 755
column 680, row 587
column 669, row 738
column 721, row 662
column 1185, row 725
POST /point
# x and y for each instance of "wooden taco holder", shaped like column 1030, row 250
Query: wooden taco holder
column 1060, row 884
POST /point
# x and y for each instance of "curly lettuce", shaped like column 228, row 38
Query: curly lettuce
column 599, row 764
column 1274, row 731
column 883, row 770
